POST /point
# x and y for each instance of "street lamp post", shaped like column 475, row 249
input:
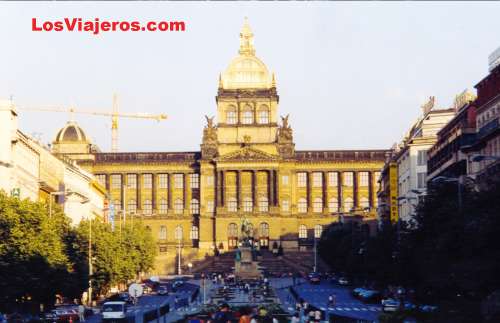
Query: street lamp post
column 179, row 269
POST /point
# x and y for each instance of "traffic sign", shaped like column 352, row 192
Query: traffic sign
column 135, row 290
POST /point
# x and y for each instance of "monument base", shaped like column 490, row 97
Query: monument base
column 246, row 268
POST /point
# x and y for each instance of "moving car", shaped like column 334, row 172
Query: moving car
column 343, row 281
column 114, row 311
column 390, row 305
column 162, row 290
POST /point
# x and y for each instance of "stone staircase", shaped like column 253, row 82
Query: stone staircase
column 271, row 265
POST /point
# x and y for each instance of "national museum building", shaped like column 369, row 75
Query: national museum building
column 247, row 168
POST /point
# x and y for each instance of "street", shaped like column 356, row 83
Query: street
column 317, row 295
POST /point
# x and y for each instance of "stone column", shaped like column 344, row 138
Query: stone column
column 106, row 182
column 371, row 188
column 223, row 187
column 325, row 190
column 170, row 187
column 355, row 189
column 153, row 191
column 270, row 187
column 277, row 178
column 309, row 191
column 185, row 191
column 138, row 191
column 238, row 189
column 122, row 193
column 217, row 188
column 340, row 181
column 254, row 190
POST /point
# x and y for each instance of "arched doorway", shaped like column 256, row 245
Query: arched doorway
column 232, row 235
column 264, row 235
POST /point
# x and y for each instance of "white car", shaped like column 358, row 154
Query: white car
column 114, row 311
column 343, row 281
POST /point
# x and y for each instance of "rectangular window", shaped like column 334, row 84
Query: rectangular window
column 421, row 179
column 210, row 206
column 163, row 233
column 348, row 179
column 179, row 180
column 301, row 179
column 101, row 178
column 209, row 180
column 422, row 158
column 163, row 181
column 163, row 206
column 163, row 249
column 116, row 181
column 194, row 180
column 132, row 181
column 333, row 179
column 284, row 179
column 285, row 206
column 317, row 179
column 364, row 179
column 147, row 181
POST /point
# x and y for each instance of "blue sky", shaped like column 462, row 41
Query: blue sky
column 351, row 75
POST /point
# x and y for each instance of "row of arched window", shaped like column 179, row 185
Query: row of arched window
column 194, row 233
column 247, row 115
column 232, row 204
column 232, row 230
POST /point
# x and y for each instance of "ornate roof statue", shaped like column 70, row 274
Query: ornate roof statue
column 209, row 142
column 286, row 147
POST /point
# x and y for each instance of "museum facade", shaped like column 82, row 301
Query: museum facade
column 247, row 168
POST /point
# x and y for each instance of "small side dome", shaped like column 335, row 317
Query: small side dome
column 71, row 132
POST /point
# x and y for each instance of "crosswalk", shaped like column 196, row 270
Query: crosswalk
column 346, row 309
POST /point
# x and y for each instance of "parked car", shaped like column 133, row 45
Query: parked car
column 114, row 311
column 369, row 295
column 63, row 313
column 428, row 308
column 314, row 278
column 343, row 281
column 356, row 291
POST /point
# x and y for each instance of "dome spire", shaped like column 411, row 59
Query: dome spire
column 246, row 40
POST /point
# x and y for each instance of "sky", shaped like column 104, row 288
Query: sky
column 351, row 75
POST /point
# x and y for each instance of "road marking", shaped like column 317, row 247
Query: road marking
column 364, row 309
column 355, row 308
column 347, row 309
column 339, row 309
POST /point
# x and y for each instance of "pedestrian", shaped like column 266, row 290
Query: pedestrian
column 334, row 299
column 245, row 315
column 81, row 313
column 223, row 315
column 317, row 316
column 295, row 318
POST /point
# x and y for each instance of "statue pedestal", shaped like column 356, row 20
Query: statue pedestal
column 246, row 268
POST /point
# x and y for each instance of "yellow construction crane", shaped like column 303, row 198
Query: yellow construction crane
column 114, row 114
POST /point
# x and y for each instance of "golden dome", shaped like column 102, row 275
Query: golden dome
column 71, row 132
column 246, row 71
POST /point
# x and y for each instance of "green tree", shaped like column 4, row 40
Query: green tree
column 34, row 266
column 118, row 255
